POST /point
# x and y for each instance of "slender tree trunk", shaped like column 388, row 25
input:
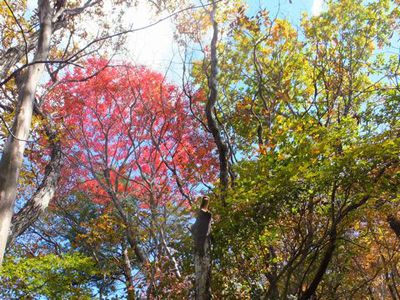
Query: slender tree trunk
column 201, row 229
column 170, row 255
column 223, row 150
column 11, row 160
column 131, row 233
column 128, row 275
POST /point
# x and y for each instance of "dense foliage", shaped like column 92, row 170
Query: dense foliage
column 310, row 117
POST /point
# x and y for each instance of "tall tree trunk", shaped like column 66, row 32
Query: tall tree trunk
column 169, row 254
column 202, row 265
column 11, row 160
column 202, row 227
column 202, row 255
column 223, row 150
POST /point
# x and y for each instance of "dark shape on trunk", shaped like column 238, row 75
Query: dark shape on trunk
column 201, row 231
column 394, row 223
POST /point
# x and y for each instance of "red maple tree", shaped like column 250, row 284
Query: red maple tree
column 126, row 131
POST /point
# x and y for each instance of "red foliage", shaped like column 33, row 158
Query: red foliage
column 127, row 124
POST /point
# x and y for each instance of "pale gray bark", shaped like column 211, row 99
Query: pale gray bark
column 128, row 275
column 202, row 265
column 11, row 160
column 28, row 77
column 170, row 255
column 202, row 255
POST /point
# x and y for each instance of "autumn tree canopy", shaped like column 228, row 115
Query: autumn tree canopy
column 289, row 127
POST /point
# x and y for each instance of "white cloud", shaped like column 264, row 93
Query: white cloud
column 317, row 7
column 31, row 4
column 153, row 46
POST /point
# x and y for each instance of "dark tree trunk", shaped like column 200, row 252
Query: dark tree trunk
column 323, row 266
column 222, row 147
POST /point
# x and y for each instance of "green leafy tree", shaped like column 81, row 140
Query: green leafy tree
column 49, row 275
column 316, row 130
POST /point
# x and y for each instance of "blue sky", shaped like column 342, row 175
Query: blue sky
column 286, row 10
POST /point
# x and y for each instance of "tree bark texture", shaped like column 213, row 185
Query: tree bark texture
column 40, row 200
column 11, row 160
column 202, row 255
column 128, row 276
